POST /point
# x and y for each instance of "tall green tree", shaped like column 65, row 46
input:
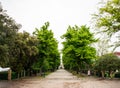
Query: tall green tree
column 77, row 50
column 48, row 49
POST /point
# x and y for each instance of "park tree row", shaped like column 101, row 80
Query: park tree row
column 23, row 52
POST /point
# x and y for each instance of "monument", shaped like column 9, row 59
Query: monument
column 61, row 62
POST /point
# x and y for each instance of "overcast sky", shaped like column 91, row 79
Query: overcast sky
column 60, row 13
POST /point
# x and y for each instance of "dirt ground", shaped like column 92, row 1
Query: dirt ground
column 60, row 79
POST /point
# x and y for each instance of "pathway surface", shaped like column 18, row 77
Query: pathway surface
column 61, row 79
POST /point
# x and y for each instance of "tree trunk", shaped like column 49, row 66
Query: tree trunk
column 111, row 74
column 40, row 72
column 24, row 73
column 95, row 73
column 18, row 75
column 103, row 74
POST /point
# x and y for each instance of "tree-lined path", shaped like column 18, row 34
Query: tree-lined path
column 61, row 79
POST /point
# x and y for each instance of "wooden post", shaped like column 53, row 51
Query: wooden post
column 9, row 74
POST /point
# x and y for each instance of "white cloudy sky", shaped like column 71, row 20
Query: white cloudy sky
column 60, row 13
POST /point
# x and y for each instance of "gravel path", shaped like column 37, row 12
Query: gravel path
column 61, row 79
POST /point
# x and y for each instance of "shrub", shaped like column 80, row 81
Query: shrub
column 108, row 62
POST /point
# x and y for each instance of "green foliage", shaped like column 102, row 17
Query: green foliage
column 77, row 52
column 108, row 18
column 4, row 55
